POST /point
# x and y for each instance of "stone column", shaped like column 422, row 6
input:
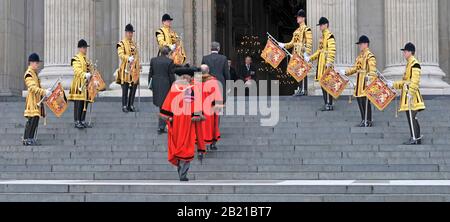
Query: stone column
column 203, row 29
column 343, row 23
column 66, row 22
column 414, row 21
column 145, row 16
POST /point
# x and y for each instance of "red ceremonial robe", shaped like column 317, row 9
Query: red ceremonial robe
column 183, row 133
column 212, row 97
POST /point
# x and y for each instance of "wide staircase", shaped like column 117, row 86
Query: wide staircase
column 308, row 156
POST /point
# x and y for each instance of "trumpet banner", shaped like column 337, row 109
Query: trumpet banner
column 178, row 55
column 298, row 68
column 272, row 54
column 95, row 85
column 380, row 94
column 333, row 83
column 57, row 102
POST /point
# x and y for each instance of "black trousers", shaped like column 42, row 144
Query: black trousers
column 362, row 101
column 128, row 94
column 161, row 124
column 303, row 85
column 415, row 124
column 31, row 127
column 327, row 98
column 79, row 114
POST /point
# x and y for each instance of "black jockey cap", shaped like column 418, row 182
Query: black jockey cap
column 323, row 21
column 190, row 71
column 409, row 47
column 363, row 39
column 301, row 13
column 83, row 44
column 166, row 17
column 34, row 58
column 129, row 28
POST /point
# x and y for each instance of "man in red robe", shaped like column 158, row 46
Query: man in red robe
column 183, row 117
column 212, row 104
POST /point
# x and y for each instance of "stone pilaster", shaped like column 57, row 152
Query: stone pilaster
column 343, row 23
column 414, row 21
column 13, row 58
column 66, row 22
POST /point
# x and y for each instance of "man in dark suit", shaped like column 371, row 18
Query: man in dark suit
column 248, row 70
column 218, row 65
column 160, row 80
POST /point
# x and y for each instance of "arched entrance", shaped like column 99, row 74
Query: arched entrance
column 242, row 26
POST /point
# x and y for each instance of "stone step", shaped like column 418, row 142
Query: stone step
column 272, row 154
column 196, row 167
column 219, row 175
column 234, row 191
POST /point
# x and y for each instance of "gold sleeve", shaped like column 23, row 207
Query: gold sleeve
column 331, row 53
column 354, row 69
column 32, row 86
column 399, row 84
column 309, row 41
column 315, row 56
column 78, row 69
column 161, row 38
column 415, row 78
column 121, row 52
column 372, row 63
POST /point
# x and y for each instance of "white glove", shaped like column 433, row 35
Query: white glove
column 307, row 58
column 173, row 47
column 88, row 75
column 48, row 92
column 131, row 59
column 282, row 45
column 342, row 72
column 390, row 84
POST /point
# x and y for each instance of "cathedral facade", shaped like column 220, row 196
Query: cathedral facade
column 52, row 29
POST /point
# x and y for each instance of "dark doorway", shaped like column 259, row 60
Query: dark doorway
column 241, row 29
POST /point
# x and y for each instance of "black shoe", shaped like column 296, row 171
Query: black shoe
column 327, row 108
column 33, row 142
column 361, row 124
column 131, row 109
column 125, row 109
column 27, row 142
column 79, row 125
column 86, row 125
column 185, row 179
column 213, row 147
column 368, row 124
column 413, row 142
column 161, row 131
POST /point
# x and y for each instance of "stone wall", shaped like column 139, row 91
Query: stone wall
column 13, row 26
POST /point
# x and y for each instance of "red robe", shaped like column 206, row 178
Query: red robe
column 183, row 133
column 211, row 96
